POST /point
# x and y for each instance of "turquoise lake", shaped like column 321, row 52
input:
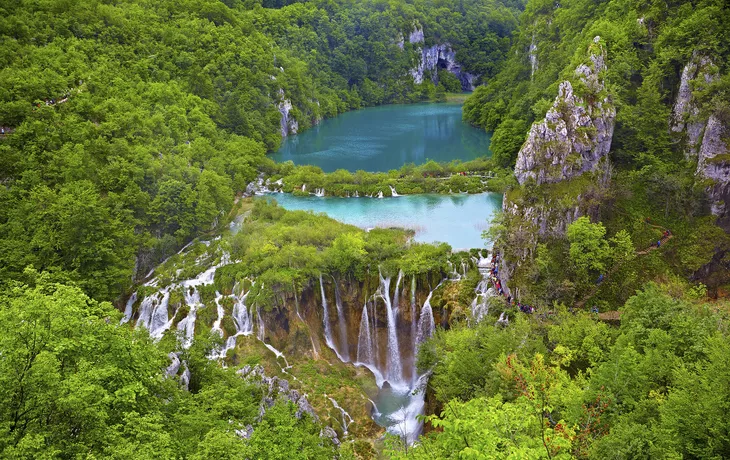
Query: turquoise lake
column 387, row 137
column 458, row 220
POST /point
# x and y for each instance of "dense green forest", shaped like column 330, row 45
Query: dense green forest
column 132, row 128
column 134, row 124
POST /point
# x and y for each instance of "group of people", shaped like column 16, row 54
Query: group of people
column 665, row 236
column 497, row 283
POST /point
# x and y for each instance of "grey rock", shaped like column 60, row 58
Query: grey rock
column 686, row 119
column 442, row 56
column 245, row 433
column 303, row 407
column 576, row 132
column 329, row 433
column 289, row 125
column 716, row 169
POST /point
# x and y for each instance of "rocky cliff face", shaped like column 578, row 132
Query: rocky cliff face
column 562, row 167
column 577, row 130
column 289, row 125
column 438, row 56
column 686, row 122
column 714, row 166
column 704, row 137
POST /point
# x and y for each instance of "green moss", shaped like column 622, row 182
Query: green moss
column 228, row 325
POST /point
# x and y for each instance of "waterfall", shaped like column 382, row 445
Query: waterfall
column 356, row 195
column 480, row 304
column 346, row 418
column 394, row 364
column 159, row 319
column 145, row 310
column 325, row 319
column 413, row 321
column 187, row 327
column 426, row 324
column 376, row 344
column 219, row 319
column 128, row 308
column 344, row 347
column 396, row 295
column 261, row 335
column 392, row 191
column 319, row 192
column 365, row 339
column 241, row 316
column 380, row 194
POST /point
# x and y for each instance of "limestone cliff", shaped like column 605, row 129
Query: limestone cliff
column 714, row 166
column 562, row 167
column 704, row 136
column 435, row 57
column 577, row 130
column 289, row 124
column 686, row 123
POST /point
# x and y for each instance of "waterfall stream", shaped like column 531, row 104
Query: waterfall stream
column 394, row 366
column 326, row 323
column 344, row 346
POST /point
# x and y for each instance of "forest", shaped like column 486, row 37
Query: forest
column 133, row 132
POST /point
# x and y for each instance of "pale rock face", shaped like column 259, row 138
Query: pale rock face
column 685, row 112
column 575, row 134
column 416, row 36
column 442, row 56
column 714, row 144
column 288, row 124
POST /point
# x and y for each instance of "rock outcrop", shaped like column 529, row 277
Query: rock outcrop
column 704, row 137
column 289, row 125
column 436, row 57
column 714, row 165
column 562, row 168
column 686, row 122
column 577, row 130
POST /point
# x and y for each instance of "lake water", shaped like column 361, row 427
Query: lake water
column 458, row 220
column 387, row 137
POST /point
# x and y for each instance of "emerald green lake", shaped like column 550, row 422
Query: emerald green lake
column 387, row 137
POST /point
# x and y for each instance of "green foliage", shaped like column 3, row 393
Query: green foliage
column 570, row 386
column 134, row 124
column 76, row 383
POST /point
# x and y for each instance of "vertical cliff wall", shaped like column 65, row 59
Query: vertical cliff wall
column 562, row 168
column 440, row 56
column 704, row 137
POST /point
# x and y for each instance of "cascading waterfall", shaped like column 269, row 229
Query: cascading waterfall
column 426, row 324
column 394, row 364
column 241, row 315
column 376, row 343
column 365, row 340
column 346, row 418
column 319, row 192
column 392, row 191
column 128, row 308
column 187, row 327
column 344, row 346
column 480, row 304
column 326, row 322
column 153, row 314
column 413, row 321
